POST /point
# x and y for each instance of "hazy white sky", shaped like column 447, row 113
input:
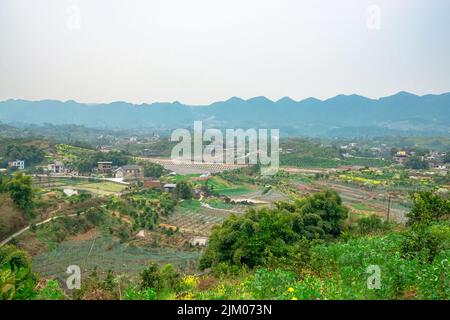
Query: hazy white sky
column 200, row 51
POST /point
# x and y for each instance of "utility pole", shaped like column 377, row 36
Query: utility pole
column 389, row 207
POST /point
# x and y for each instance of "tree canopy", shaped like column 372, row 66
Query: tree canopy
column 265, row 235
column 21, row 191
column 16, row 279
column 427, row 207
column 184, row 190
column 416, row 163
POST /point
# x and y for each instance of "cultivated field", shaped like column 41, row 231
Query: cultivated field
column 194, row 218
column 105, row 254
column 98, row 187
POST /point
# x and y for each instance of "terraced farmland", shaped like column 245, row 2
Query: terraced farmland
column 376, row 201
column 198, row 221
column 226, row 188
column 99, row 187
column 188, row 167
column 259, row 196
column 106, row 254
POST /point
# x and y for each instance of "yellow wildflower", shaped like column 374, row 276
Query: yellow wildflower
column 190, row 280
column 188, row 296
column 221, row 289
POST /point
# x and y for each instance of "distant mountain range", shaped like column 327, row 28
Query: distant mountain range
column 341, row 116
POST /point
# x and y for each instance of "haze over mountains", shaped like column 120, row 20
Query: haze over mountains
column 341, row 116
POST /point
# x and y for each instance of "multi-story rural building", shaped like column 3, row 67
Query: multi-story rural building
column 130, row 173
column 19, row 164
column 57, row 167
column 104, row 167
column 401, row 156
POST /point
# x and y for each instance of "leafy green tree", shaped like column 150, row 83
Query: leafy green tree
column 167, row 202
column 151, row 169
column 52, row 291
column 328, row 206
column 184, row 190
column 135, row 293
column 416, row 163
column 30, row 154
column 268, row 237
column 123, row 233
column 427, row 207
column 151, row 278
column 110, row 281
column 170, row 277
column 3, row 183
column 14, row 257
column 21, row 191
column 86, row 163
column 370, row 224
column 16, row 278
column 425, row 241
column 96, row 216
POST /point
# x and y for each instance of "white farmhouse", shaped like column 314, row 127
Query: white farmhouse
column 19, row 164
column 199, row 241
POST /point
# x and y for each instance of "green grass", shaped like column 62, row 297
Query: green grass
column 185, row 177
column 346, row 266
column 342, row 271
column 367, row 162
column 98, row 187
column 302, row 178
column 92, row 188
column 103, row 186
column 227, row 189
column 361, row 206
column 219, row 204
column 355, row 215
column 234, row 191
column 194, row 205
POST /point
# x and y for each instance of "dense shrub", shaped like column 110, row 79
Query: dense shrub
column 183, row 190
column 263, row 237
column 21, row 191
column 16, row 278
column 371, row 224
column 267, row 284
column 425, row 241
column 346, row 265
column 428, row 207
column 151, row 278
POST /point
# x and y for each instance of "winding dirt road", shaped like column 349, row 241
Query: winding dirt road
column 18, row 233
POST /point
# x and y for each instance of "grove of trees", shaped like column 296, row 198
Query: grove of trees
column 269, row 236
column 14, row 150
column 183, row 190
column 20, row 190
column 416, row 163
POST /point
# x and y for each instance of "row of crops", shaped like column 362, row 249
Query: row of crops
column 105, row 254
column 198, row 222
column 95, row 186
